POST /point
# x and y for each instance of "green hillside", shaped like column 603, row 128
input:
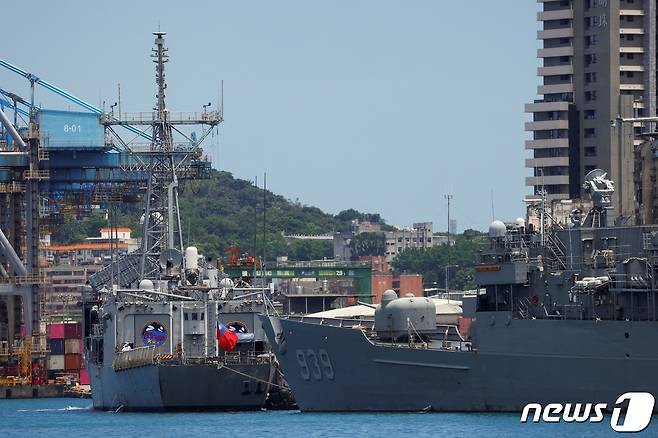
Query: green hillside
column 224, row 211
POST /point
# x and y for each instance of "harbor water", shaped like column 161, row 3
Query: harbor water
column 74, row 417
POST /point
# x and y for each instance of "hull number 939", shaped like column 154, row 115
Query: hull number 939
column 316, row 366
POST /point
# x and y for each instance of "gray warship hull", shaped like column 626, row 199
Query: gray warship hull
column 181, row 387
column 339, row 368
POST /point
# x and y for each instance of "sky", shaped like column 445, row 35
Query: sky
column 382, row 106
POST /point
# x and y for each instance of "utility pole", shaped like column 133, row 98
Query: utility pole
column 447, row 271
column 448, row 198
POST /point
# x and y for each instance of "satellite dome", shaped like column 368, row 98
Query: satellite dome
column 226, row 283
column 497, row 229
column 520, row 222
column 146, row 284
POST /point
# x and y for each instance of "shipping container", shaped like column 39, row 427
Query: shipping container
column 72, row 346
column 72, row 330
column 84, row 377
column 73, row 362
column 56, row 331
column 57, row 346
column 56, row 362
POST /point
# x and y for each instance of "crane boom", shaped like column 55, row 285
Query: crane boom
column 35, row 79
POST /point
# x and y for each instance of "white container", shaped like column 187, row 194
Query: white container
column 72, row 346
column 56, row 362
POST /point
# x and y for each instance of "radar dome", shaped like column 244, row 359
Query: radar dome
column 520, row 222
column 226, row 283
column 497, row 229
column 146, row 284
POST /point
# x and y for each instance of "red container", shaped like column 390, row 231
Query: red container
column 72, row 362
column 72, row 330
column 55, row 331
column 84, row 377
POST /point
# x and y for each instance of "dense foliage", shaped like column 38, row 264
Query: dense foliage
column 368, row 244
column 431, row 262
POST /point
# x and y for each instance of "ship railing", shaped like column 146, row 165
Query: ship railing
column 244, row 358
column 137, row 357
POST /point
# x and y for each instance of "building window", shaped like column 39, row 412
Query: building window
column 564, row 22
column 590, row 96
column 590, row 151
column 629, row 74
column 591, row 40
column 590, row 132
column 629, row 37
column 588, row 169
column 588, row 22
column 590, row 114
column 590, row 77
column 591, row 59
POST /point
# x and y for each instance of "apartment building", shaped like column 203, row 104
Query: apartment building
column 598, row 63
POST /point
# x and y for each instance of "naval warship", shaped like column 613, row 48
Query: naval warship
column 154, row 347
column 569, row 315
column 153, row 317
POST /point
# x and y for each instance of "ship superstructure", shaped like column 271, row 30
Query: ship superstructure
column 568, row 316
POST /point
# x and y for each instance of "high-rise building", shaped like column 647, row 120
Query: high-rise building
column 598, row 63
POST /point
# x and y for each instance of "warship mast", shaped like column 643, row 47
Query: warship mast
column 165, row 163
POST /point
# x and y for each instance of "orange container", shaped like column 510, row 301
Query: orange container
column 73, row 362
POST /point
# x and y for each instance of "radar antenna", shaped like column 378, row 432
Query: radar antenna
column 165, row 163
column 600, row 189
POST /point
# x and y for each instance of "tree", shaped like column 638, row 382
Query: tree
column 368, row 244
column 431, row 262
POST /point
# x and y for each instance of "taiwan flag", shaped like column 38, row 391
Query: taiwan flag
column 227, row 338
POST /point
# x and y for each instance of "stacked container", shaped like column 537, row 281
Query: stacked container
column 65, row 340
column 72, row 337
column 56, row 358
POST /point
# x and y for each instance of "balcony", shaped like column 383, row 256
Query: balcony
column 555, row 88
column 631, row 31
column 561, row 14
column 634, row 12
column 555, row 52
column 547, row 162
column 631, row 87
column 631, row 50
column 546, row 125
column 546, row 106
column 565, row 32
column 547, row 143
column 639, row 68
column 555, row 71
column 548, row 180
